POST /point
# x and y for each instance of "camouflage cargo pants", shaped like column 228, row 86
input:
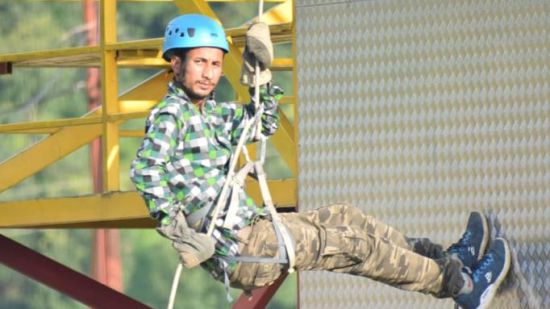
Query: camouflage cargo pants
column 341, row 238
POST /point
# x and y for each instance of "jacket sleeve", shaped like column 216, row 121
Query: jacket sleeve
column 269, row 98
column 148, row 171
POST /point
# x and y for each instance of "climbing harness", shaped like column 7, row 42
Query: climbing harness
column 234, row 183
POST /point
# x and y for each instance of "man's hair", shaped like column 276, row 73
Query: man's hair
column 181, row 52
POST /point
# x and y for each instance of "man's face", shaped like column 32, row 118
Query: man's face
column 199, row 72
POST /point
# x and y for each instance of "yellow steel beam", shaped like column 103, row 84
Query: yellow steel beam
column 72, row 210
column 280, row 33
column 45, row 152
column 138, row 53
column 145, row 46
column 115, row 209
column 109, row 82
column 33, row 131
column 68, row 57
column 141, row 59
column 282, row 64
column 154, row 61
column 49, row 124
column 54, row 126
column 130, row 108
column 132, row 133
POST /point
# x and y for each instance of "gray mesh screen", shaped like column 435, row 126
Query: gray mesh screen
column 417, row 112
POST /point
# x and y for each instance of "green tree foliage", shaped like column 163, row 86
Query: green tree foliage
column 148, row 259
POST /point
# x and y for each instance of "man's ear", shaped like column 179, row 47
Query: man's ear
column 175, row 64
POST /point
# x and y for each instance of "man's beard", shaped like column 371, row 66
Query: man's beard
column 189, row 92
column 193, row 95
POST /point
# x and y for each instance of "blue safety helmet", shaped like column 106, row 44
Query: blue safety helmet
column 193, row 30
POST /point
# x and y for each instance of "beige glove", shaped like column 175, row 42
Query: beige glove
column 258, row 47
column 193, row 248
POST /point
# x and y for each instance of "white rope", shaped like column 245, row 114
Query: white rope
column 257, row 63
column 230, row 175
column 234, row 160
column 174, row 286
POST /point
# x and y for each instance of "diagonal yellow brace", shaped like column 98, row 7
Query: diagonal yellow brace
column 66, row 140
column 283, row 192
column 45, row 152
column 279, row 14
column 145, row 95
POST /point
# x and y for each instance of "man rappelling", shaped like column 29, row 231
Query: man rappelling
column 183, row 170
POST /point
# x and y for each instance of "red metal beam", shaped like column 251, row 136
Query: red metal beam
column 260, row 297
column 59, row 277
column 5, row 68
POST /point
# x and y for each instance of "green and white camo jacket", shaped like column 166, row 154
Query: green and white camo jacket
column 184, row 158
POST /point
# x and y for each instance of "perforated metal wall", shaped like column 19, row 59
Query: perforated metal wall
column 418, row 111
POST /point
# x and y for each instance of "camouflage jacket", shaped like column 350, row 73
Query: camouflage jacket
column 184, row 158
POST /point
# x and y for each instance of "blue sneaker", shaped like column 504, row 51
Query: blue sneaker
column 487, row 276
column 471, row 247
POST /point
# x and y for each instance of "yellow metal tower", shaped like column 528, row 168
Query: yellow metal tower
column 114, row 208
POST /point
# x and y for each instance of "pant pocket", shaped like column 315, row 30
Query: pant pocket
column 342, row 246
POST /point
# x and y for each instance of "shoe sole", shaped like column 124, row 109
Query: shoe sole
column 489, row 294
column 485, row 240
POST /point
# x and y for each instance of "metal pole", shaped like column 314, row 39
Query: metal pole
column 106, row 265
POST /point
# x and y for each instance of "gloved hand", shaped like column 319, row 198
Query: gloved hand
column 258, row 47
column 193, row 248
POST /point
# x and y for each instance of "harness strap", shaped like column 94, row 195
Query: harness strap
column 284, row 239
column 233, row 162
column 287, row 240
column 236, row 185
